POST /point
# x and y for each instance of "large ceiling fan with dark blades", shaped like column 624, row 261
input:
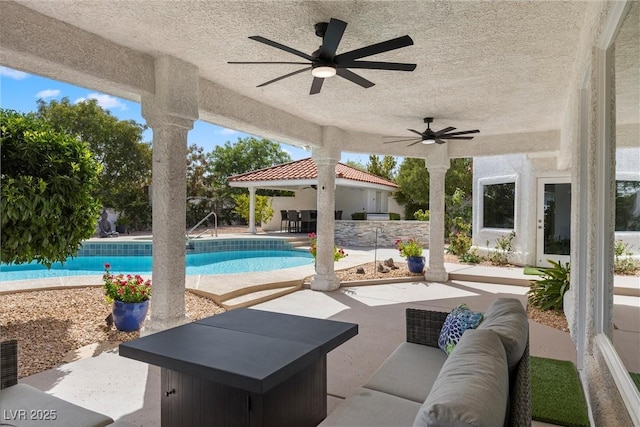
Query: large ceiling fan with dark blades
column 430, row 136
column 324, row 63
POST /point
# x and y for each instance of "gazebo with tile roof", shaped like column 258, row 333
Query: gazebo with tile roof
column 356, row 190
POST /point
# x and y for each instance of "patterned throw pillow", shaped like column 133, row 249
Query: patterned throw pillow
column 459, row 320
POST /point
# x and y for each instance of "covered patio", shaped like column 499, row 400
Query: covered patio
column 536, row 78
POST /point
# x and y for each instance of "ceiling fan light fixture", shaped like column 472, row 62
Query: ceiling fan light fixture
column 428, row 141
column 323, row 71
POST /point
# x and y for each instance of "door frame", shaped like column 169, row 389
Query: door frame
column 541, row 257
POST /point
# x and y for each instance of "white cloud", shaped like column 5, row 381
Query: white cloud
column 13, row 74
column 48, row 93
column 105, row 101
column 225, row 131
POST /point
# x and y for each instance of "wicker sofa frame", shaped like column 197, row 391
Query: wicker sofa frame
column 424, row 326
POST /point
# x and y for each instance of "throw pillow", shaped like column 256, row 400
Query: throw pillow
column 459, row 320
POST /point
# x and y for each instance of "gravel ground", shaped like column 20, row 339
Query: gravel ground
column 50, row 324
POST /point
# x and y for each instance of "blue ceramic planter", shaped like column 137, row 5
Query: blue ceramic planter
column 128, row 316
column 415, row 264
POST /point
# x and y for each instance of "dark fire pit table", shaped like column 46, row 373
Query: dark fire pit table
column 243, row 368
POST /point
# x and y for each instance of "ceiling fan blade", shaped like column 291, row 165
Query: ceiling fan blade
column 316, row 85
column 353, row 77
column 439, row 141
column 283, row 47
column 443, row 131
column 373, row 65
column 284, row 77
column 414, row 143
column 400, row 140
column 415, row 131
column 455, row 137
column 464, row 132
column 374, row 49
column 331, row 39
column 265, row 62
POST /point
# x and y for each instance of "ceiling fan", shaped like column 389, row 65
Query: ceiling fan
column 434, row 137
column 324, row 62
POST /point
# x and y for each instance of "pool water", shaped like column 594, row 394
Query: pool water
column 202, row 263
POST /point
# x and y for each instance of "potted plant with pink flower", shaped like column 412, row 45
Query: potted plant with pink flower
column 412, row 250
column 130, row 297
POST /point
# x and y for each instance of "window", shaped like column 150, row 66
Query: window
column 499, row 205
column 627, row 205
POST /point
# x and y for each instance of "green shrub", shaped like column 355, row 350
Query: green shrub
column 623, row 262
column 548, row 292
column 359, row 216
column 471, row 257
column 47, row 206
column 502, row 249
column 421, row 215
column 393, row 216
column 460, row 237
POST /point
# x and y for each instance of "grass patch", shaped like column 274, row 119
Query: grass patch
column 556, row 393
column 636, row 379
column 533, row 271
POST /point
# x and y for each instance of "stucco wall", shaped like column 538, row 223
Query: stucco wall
column 498, row 170
column 525, row 172
column 363, row 233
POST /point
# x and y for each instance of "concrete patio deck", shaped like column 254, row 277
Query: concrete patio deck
column 130, row 390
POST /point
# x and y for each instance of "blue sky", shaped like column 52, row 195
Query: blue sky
column 19, row 91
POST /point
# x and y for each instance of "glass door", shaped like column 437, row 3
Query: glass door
column 554, row 220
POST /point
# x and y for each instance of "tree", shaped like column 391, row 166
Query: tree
column 117, row 145
column 413, row 186
column 245, row 155
column 199, row 186
column 413, row 182
column 356, row 165
column 47, row 208
column 384, row 168
column 263, row 209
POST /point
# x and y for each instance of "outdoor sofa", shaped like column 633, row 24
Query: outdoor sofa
column 22, row 405
column 485, row 381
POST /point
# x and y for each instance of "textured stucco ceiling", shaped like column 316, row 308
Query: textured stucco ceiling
column 499, row 66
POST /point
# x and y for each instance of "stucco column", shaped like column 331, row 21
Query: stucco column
column 252, row 210
column 170, row 114
column 326, row 159
column 437, row 164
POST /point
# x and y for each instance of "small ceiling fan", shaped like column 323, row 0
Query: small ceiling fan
column 324, row 62
column 433, row 137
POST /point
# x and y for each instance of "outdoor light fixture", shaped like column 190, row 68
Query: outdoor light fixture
column 323, row 71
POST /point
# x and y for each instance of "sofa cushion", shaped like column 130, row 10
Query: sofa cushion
column 473, row 386
column 372, row 408
column 459, row 320
column 508, row 318
column 409, row 372
column 60, row 412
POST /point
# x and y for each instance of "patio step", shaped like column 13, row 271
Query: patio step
column 298, row 241
column 258, row 297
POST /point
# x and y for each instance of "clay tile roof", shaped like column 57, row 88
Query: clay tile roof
column 306, row 169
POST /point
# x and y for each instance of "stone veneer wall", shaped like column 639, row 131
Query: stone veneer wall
column 363, row 233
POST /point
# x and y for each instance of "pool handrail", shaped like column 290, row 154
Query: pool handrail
column 215, row 222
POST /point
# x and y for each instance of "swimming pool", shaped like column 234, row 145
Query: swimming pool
column 202, row 263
